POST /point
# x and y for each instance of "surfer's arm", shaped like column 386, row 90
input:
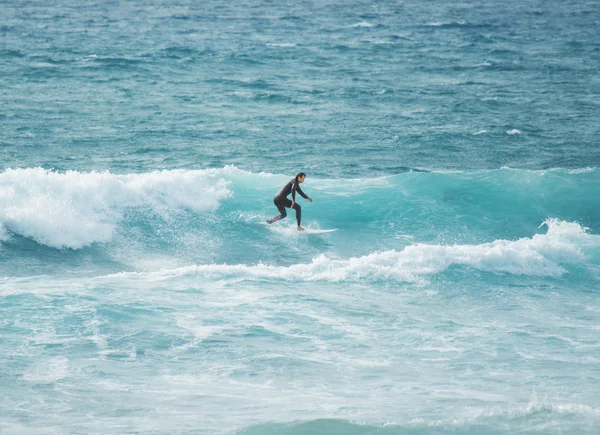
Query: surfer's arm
column 302, row 194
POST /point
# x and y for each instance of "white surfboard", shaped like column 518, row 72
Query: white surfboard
column 311, row 231
column 294, row 231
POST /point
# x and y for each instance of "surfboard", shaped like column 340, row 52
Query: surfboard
column 312, row 231
column 293, row 230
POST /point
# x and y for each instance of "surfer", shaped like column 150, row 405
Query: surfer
column 281, row 199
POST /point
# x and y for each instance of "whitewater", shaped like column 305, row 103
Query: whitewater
column 453, row 147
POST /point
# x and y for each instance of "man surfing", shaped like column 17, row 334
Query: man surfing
column 281, row 199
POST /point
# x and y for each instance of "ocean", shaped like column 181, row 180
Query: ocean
column 454, row 147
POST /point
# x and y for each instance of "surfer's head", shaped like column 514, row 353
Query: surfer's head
column 300, row 176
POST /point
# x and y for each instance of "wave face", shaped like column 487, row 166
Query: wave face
column 92, row 206
column 452, row 146
column 397, row 227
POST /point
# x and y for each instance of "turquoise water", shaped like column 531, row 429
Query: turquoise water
column 454, row 146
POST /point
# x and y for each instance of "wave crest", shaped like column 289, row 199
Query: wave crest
column 75, row 209
column 540, row 255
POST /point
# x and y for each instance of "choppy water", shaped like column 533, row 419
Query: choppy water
column 453, row 146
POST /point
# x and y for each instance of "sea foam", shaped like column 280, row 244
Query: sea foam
column 74, row 209
column 540, row 255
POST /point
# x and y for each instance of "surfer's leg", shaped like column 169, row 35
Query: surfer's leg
column 281, row 207
column 298, row 213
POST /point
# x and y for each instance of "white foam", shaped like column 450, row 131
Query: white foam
column 445, row 23
column 534, row 406
column 514, row 131
column 581, row 171
column 197, row 327
column 540, row 255
column 363, row 24
column 74, row 209
column 382, row 42
column 48, row 371
column 281, row 45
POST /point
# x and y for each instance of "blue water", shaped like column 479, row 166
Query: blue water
column 454, row 146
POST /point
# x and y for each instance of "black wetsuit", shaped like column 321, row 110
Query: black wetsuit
column 281, row 201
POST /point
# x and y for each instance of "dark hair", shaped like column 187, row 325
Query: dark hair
column 300, row 175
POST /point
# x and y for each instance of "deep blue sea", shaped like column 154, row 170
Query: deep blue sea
column 455, row 147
